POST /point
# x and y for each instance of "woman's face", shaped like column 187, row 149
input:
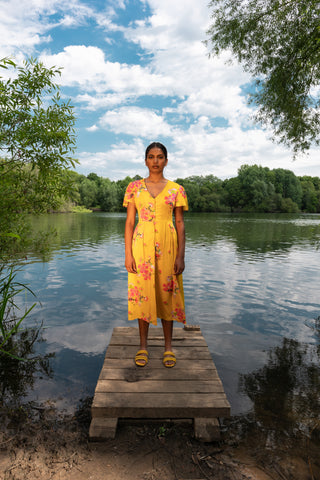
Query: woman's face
column 156, row 160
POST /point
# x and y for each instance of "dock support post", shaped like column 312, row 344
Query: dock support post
column 103, row 428
column 206, row 429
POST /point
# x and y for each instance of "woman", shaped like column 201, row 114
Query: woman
column 154, row 252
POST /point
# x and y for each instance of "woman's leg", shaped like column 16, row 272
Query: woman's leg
column 142, row 359
column 143, row 332
column 167, row 332
column 167, row 326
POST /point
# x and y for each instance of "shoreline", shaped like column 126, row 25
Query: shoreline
column 38, row 442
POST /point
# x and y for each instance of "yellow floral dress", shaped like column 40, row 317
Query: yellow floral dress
column 155, row 291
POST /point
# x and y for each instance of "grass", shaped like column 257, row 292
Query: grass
column 9, row 322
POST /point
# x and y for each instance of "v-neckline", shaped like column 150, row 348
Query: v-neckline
column 145, row 184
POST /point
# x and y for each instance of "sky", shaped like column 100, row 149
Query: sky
column 138, row 71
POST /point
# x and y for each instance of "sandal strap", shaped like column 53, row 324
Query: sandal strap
column 139, row 352
column 169, row 358
column 141, row 357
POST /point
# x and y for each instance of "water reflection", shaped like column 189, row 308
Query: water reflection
column 253, row 234
column 70, row 232
column 17, row 378
column 285, row 391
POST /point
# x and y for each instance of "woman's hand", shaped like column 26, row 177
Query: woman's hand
column 179, row 263
column 130, row 264
column 178, row 266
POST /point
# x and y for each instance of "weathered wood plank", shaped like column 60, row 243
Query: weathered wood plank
column 158, row 341
column 128, row 351
column 198, row 400
column 155, row 405
column 133, row 374
column 154, row 363
column 159, row 386
column 155, row 332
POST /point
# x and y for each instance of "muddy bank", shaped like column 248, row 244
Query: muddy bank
column 36, row 442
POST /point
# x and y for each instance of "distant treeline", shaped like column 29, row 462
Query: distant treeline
column 255, row 189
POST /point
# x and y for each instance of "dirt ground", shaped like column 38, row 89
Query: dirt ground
column 38, row 443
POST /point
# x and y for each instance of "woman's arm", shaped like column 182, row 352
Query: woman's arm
column 130, row 263
column 179, row 221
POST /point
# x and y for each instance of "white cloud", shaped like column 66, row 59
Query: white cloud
column 136, row 121
column 118, row 161
column 93, row 128
column 24, row 24
column 96, row 102
column 85, row 67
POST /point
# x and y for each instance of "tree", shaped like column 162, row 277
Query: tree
column 108, row 195
column 278, row 42
column 88, row 190
column 37, row 141
column 288, row 185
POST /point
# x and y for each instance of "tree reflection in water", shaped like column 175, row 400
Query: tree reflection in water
column 17, row 377
column 286, row 393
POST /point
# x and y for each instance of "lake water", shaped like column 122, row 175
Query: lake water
column 251, row 282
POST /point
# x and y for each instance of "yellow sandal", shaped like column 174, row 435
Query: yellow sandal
column 141, row 356
column 169, row 357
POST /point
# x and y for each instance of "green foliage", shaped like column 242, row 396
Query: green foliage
column 37, row 141
column 80, row 209
column 255, row 189
column 88, row 191
column 310, row 201
column 32, row 132
column 278, row 42
column 9, row 322
column 108, row 195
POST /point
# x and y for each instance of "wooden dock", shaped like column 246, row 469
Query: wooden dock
column 190, row 390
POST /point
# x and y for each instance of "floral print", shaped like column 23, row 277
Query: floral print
column 147, row 213
column 137, row 235
column 135, row 295
column 171, row 197
column 145, row 269
column 134, row 188
column 157, row 250
column 179, row 314
column 154, row 291
column 171, row 285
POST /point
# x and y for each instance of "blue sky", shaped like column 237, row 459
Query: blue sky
column 138, row 71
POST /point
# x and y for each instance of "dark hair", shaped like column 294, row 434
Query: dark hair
column 156, row 145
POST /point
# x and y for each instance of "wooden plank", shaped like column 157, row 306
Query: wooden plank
column 155, row 332
column 133, row 374
column 128, row 351
column 155, row 405
column 158, row 341
column 154, row 363
column 197, row 400
column 161, row 386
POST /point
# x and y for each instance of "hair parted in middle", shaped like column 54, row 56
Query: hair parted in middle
column 156, row 145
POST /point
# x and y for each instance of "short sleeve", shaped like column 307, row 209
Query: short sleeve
column 129, row 195
column 181, row 198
